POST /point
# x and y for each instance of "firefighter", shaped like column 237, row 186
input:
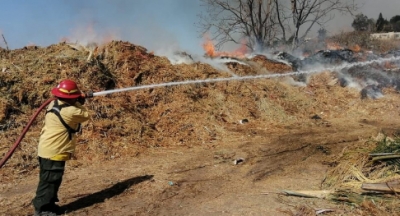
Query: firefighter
column 57, row 143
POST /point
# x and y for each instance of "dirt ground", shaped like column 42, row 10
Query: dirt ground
column 195, row 158
column 204, row 180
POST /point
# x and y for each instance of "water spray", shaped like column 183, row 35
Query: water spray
column 237, row 78
column 263, row 76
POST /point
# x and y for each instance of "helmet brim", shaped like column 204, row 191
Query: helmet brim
column 56, row 92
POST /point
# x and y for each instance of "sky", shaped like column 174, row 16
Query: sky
column 154, row 24
column 143, row 22
column 370, row 8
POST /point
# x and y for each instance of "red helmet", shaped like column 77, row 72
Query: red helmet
column 66, row 89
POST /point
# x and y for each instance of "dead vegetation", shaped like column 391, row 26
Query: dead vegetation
column 185, row 116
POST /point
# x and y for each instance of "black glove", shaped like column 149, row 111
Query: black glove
column 81, row 100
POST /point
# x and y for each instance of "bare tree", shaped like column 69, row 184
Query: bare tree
column 307, row 13
column 263, row 21
column 282, row 18
column 233, row 20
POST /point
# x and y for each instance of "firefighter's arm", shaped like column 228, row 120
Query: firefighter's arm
column 80, row 113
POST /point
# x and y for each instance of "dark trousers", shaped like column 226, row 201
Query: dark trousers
column 50, row 178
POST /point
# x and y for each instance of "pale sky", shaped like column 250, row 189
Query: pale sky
column 144, row 22
column 149, row 23
column 370, row 8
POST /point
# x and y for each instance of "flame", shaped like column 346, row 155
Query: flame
column 389, row 65
column 209, row 48
column 333, row 46
column 356, row 48
column 306, row 54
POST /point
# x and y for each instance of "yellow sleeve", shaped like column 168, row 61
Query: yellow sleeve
column 74, row 115
column 80, row 114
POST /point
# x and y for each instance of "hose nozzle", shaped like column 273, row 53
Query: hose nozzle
column 88, row 94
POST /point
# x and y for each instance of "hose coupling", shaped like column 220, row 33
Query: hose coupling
column 88, row 94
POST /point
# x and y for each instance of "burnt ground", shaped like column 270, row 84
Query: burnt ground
column 171, row 151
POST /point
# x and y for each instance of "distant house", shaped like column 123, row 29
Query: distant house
column 386, row 36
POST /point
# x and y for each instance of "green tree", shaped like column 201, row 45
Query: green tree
column 395, row 23
column 321, row 34
column 380, row 23
column 371, row 25
column 361, row 23
column 395, row 19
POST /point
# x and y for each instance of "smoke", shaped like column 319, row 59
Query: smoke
column 165, row 27
column 154, row 24
column 292, row 82
column 150, row 23
column 372, row 8
column 86, row 35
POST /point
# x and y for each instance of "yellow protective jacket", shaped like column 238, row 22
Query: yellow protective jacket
column 55, row 142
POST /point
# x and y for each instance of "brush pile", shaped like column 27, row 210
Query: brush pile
column 187, row 116
column 130, row 122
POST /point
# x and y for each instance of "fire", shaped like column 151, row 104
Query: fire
column 306, row 54
column 333, row 46
column 389, row 65
column 209, row 48
column 355, row 48
column 337, row 46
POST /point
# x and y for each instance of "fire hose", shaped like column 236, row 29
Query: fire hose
column 14, row 147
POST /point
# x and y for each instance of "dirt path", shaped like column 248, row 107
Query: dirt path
column 204, row 180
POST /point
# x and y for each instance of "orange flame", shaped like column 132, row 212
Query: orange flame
column 333, row 46
column 355, row 48
column 389, row 65
column 209, row 48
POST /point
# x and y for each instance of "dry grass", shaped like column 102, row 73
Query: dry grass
column 363, row 40
column 355, row 167
column 181, row 115
column 126, row 124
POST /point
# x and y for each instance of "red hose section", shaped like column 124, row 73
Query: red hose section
column 9, row 153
